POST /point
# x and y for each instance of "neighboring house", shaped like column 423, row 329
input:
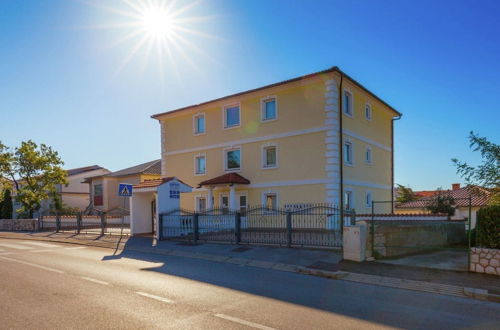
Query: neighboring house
column 479, row 197
column 104, row 188
column 74, row 194
column 279, row 145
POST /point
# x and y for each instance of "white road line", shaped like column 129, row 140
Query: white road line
column 33, row 265
column 240, row 321
column 40, row 251
column 15, row 246
column 152, row 296
column 75, row 248
column 93, row 280
column 47, row 245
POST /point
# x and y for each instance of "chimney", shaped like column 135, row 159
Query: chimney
column 455, row 186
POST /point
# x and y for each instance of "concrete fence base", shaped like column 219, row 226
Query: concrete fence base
column 19, row 224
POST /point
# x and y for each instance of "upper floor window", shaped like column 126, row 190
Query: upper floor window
column 232, row 116
column 199, row 124
column 200, row 164
column 269, row 111
column 368, row 155
column 232, row 159
column 347, row 103
column 269, row 156
column 348, row 153
column 368, row 112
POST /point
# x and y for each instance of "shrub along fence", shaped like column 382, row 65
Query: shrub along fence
column 485, row 257
column 317, row 225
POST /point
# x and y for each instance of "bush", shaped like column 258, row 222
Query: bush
column 488, row 227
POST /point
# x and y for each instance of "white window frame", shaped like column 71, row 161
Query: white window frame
column 224, row 158
column 195, row 116
column 263, row 108
column 368, row 106
column 264, row 155
column 221, row 196
column 368, row 204
column 350, row 109
column 196, row 165
column 196, row 200
column 351, row 193
column 240, row 194
column 369, row 150
column 351, row 154
column 270, row 192
column 224, row 117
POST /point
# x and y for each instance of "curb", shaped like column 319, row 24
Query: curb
column 422, row 286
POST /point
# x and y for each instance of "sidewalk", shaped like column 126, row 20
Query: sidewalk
column 324, row 263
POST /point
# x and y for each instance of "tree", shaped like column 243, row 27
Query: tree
column 441, row 202
column 35, row 171
column 487, row 174
column 405, row 194
column 6, row 205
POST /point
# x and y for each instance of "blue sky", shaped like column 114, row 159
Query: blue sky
column 66, row 79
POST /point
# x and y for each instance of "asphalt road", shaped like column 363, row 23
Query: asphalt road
column 54, row 285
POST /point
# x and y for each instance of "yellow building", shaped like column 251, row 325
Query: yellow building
column 279, row 145
column 104, row 188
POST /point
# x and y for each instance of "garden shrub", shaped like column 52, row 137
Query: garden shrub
column 488, row 227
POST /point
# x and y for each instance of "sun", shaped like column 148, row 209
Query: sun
column 157, row 22
column 164, row 29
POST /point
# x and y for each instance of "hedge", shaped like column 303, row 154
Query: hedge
column 488, row 227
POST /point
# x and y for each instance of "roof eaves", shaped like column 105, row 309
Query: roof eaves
column 332, row 69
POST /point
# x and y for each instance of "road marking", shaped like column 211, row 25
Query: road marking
column 41, row 244
column 94, row 280
column 33, row 265
column 15, row 246
column 240, row 321
column 75, row 248
column 40, row 251
column 152, row 296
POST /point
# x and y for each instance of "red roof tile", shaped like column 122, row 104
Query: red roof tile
column 227, row 178
column 480, row 197
column 156, row 182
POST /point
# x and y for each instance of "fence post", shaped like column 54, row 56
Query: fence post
column 373, row 229
column 237, row 224
column 103, row 222
column 288, row 228
column 78, row 222
column 196, row 227
column 160, row 227
column 58, row 222
column 469, row 232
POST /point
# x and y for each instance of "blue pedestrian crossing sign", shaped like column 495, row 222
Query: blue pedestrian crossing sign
column 125, row 190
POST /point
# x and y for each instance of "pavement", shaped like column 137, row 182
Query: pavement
column 325, row 263
column 52, row 284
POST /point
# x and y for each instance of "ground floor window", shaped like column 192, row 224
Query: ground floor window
column 271, row 200
column 348, row 200
column 201, row 204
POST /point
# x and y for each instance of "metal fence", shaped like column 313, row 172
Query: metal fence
column 78, row 223
column 318, row 225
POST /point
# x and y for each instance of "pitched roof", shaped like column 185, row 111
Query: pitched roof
column 479, row 197
column 156, row 182
column 152, row 167
column 79, row 170
column 332, row 69
column 227, row 178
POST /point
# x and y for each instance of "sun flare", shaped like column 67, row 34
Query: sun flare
column 157, row 28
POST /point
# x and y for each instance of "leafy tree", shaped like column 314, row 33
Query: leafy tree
column 487, row 174
column 405, row 194
column 488, row 227
column 35, row 171
column 441, row 202
column 6, row 205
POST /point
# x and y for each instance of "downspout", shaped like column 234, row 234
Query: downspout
column 392, row 160
column 341, row 151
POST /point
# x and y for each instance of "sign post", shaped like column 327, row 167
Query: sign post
column 124, row 190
